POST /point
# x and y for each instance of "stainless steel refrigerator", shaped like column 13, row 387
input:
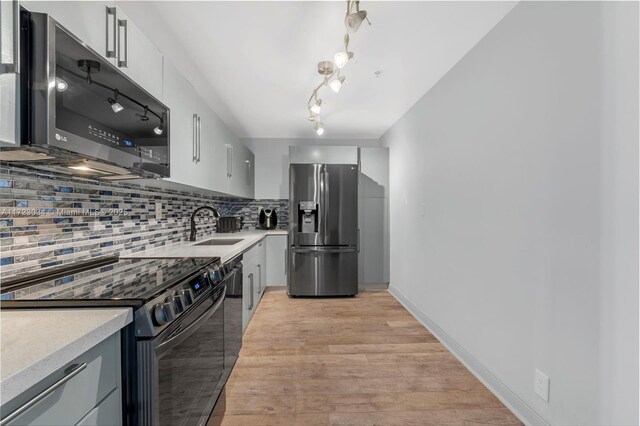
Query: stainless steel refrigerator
column 323, row 230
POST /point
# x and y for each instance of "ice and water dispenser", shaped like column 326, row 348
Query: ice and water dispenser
column 307, row 217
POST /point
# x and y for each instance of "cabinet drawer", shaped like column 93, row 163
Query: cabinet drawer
column 107, row 413
column 253, row 253
column 76, row 397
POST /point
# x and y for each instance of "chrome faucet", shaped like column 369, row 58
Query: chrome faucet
column 192, row 236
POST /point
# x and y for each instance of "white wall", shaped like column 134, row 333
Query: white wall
column 525, row 160
column 272, row 161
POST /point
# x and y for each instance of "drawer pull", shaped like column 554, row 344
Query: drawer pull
column 70, row 372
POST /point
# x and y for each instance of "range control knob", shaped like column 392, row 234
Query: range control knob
column 215, row 274
column 176, row 301
column 186, row 297
column 162, row 313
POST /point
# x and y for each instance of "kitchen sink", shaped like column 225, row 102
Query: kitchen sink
column 219, row 242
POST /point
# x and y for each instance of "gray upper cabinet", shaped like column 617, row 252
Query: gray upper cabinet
column 204, row 153
column 93, row 22
column 241, row 180
column 9, row 73
column 137, row 57
column 185, row 134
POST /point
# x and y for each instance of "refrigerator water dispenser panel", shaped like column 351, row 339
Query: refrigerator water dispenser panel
column 307, row 217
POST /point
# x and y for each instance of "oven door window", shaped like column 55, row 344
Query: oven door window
column 188, row 372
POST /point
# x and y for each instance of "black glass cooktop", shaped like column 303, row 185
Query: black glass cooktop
column 132, row 279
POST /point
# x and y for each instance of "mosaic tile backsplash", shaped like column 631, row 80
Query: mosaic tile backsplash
column 49, row 219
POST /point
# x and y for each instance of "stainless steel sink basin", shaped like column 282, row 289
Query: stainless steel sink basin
column 219, row 242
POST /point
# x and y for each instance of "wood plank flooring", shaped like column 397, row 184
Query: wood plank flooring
column 355, row 361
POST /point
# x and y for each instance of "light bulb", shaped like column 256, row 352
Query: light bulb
column 61, row 85
column 158, row 130
column 341, row 58
column 115, row 106
column 319, row 129
column 317, row 107
column 336, row 84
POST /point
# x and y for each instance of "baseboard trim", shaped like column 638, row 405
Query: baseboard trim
column 513, row 402
column 373, row 286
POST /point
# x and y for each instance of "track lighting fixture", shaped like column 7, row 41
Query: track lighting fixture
column 336, row 84
column 352, row 21
column 115, row 106
column 61, row 85
column 159, row 129
column 144, row 117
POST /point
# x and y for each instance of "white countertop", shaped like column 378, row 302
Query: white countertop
column 37, row 342
column 190, row 249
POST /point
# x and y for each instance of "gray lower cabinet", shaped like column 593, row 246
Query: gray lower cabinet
column 86, row 391
column 277, row 249
column 254, row 267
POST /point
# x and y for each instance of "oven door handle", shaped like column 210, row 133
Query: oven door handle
column 186, row 332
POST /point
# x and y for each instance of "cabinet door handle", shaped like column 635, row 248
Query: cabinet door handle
column 10, row 24
column 123, row 63
column 229, row 160
column 70, row 372
column 194, row 138
column 251, row 291
column 199, row 138
column 248, row 172
column 111, row 15
column 259, row 278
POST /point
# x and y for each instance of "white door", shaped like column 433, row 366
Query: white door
column 182, row 101
column 138, row 57
column 93, row 22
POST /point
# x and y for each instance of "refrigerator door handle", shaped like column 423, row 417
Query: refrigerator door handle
column 301, row 250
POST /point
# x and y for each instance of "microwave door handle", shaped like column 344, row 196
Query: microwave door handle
column 175, row 339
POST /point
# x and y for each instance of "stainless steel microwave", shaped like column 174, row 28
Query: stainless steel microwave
column 80, row 112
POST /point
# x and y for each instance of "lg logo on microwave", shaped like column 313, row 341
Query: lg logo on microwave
column 60, row 137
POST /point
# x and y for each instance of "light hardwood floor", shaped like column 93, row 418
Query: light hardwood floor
column 354, row 361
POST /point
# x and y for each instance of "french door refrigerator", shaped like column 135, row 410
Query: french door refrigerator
column 323, row 230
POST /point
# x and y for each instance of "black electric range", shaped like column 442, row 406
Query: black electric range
column 173, row 352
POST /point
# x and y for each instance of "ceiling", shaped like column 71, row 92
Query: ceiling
column 255, row 63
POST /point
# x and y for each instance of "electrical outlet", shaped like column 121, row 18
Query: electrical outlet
column 541, row 385
column 158, row 211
